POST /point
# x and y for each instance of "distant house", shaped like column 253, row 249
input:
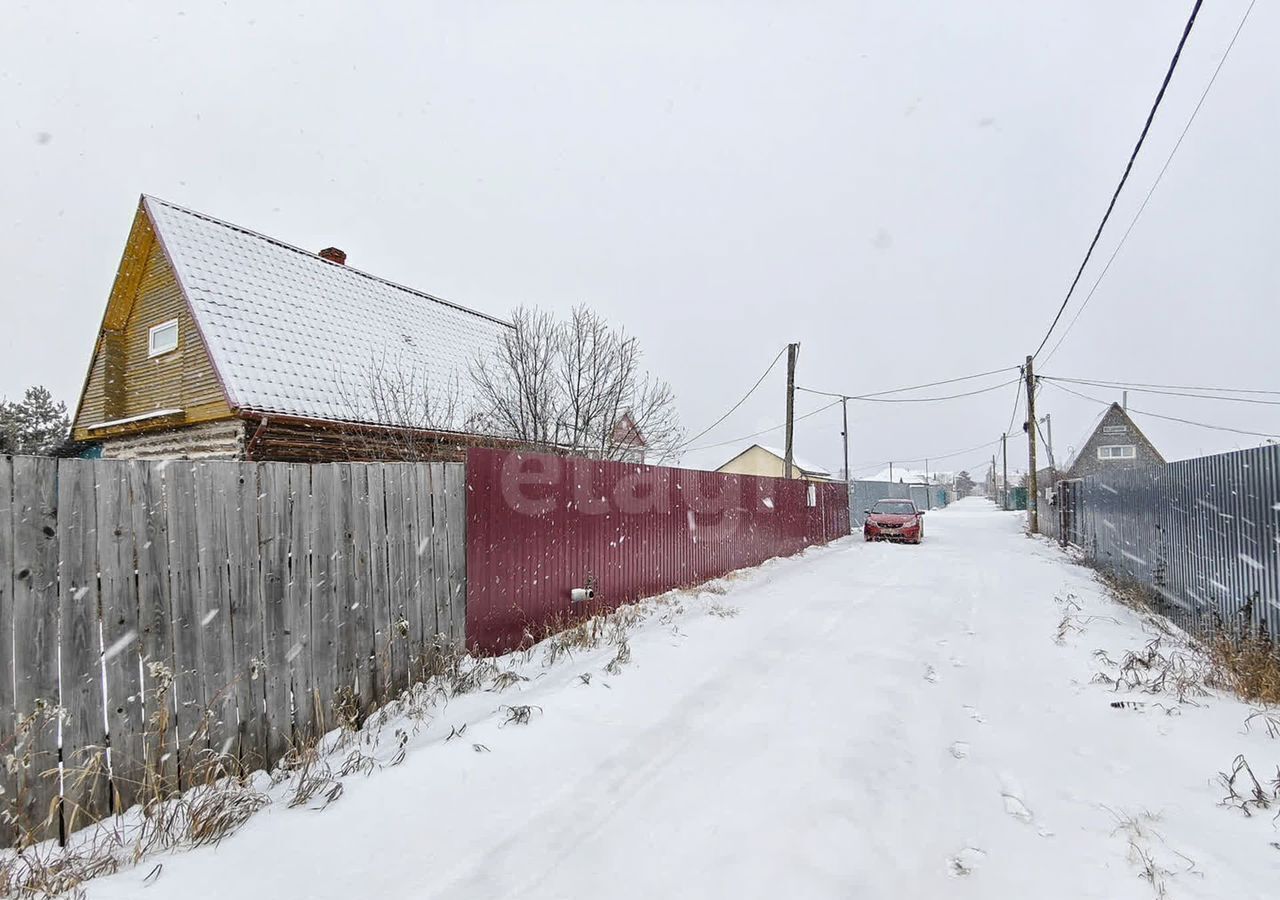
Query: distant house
column 626, row 436
column 770, row 462
column 903, row 475
column 218, row 342
column 1116, row 442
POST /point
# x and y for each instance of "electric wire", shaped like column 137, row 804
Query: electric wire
column 735, row 406
column 1155, row 184
column 761, row 431
column 1168, row 76
column 929, row 458
column 1143, row 412
column 1172, row 389
column 1013, row 417
column 903, row 390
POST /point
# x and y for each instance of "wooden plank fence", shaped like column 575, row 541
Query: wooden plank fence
column 183, row 612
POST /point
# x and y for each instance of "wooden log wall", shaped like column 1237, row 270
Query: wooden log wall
column 182, row 612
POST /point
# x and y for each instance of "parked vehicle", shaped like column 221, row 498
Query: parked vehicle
column 894, row 520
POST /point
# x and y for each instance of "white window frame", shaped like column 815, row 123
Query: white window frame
column 1128, row 451
column 156, row 329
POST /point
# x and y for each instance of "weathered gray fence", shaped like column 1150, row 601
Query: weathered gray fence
column 864, row 493
column 175, row 611
column 1203, row 533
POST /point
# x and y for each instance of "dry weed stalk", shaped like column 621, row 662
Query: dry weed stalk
column 519, row 715
column 1254, row 796
column 1270, row 721
column 1141, row 836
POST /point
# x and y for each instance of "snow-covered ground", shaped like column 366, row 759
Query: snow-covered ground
column 876, row 722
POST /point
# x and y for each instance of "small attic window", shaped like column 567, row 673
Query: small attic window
column 163, row 338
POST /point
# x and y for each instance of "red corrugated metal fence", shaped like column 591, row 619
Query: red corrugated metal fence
column 540, row 525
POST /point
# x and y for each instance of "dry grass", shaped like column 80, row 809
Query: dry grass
column 1245, row 792
column 519, row 715
column 215, row 807
column 1197, row 654
column 1251, row 664
column 1146, row 847
column 221, row 794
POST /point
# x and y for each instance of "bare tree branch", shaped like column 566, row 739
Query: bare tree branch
column 574, row 386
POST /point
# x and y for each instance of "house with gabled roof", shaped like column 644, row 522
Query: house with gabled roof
column 219, row 342
column 770, row 462
column 1116, row 442
column 628, row 439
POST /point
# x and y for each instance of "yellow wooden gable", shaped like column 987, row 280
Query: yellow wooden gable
column 130, row 388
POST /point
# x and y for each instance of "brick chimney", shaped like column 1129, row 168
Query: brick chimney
column 333, row 254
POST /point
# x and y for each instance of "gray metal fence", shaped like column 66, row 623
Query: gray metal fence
column 1204, row 533
column 863, row 493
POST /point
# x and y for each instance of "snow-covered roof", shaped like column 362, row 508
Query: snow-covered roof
column 295, row 334
column 803, row 465
column 899, row 473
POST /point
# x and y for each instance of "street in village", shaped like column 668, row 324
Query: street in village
column 864, row 720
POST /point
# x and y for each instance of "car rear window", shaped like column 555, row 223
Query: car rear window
column 894, row 507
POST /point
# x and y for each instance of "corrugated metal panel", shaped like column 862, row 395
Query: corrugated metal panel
column 1205, row 533
column 539, row 525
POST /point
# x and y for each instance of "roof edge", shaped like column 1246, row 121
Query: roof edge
column 223, row 383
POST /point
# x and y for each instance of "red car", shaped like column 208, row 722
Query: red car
column 894, row 520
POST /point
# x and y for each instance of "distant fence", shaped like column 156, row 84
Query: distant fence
column 864, row 493
column 539, row 526
column 1203, row 533
column 172, row 609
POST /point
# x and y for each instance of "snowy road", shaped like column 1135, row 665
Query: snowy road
column 877, row 721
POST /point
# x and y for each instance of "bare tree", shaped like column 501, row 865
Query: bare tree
column 397, row 411
column 577, row 386
column 515, row 385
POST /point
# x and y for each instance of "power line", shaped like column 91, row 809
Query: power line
column 1134, row 385
column 1156, row 183
column 1143, row 412
column 872, row 399
column 932, row 456
column 985, row 390
column 760, row 432
column 1047, row 445
column 903, row 390
column 1163, row 393
column 1173, row 64
column 1013, row 416
column 735, row 406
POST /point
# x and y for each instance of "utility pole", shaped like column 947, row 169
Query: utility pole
column 844, row 419
column 891, row 470
column 793, row 350
column 993, row 472
column 1004, row 450
column 1033, row 499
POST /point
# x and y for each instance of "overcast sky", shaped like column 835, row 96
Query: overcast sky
column 904, row 188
